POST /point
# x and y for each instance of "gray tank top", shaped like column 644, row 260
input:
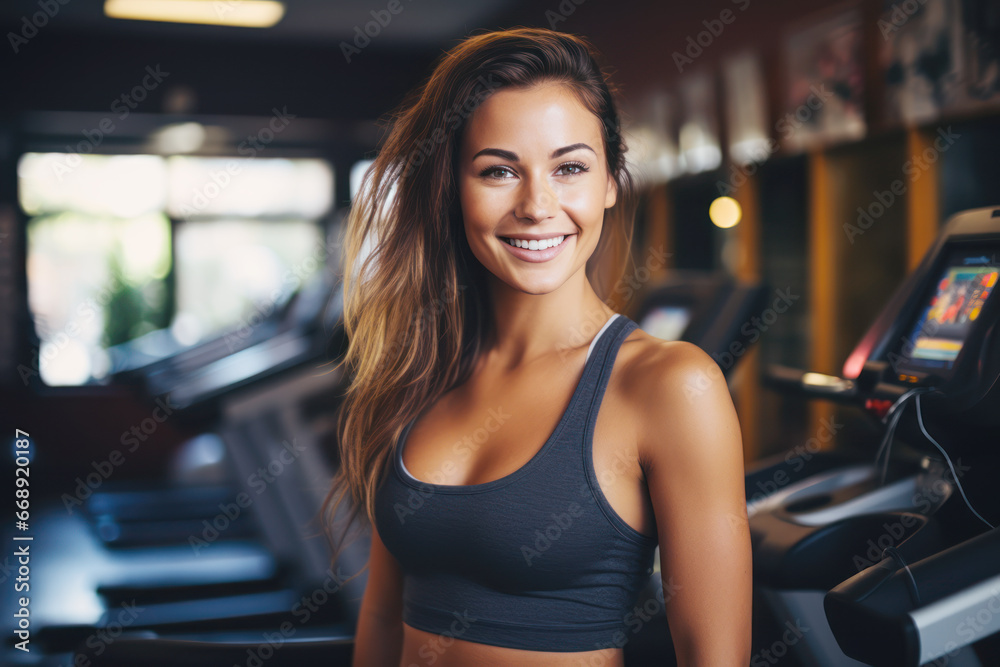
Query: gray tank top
column 537, row 559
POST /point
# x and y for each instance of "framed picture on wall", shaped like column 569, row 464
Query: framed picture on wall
column 981, row 42
column 698, row 138
column 652, row 153
column 939, row 57
column 745, row 97
column 824, row 82
column 920, row 58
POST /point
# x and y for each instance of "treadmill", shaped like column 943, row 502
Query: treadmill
column 264, row 413
column 892, row 556
column 226, row 556
column 709, row 309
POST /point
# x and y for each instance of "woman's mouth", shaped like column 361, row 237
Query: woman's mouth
column 535, row 245
column 536, row 251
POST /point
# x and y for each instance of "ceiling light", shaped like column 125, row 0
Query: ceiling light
column 725, row 212
column 243, row 13
column 179, row 138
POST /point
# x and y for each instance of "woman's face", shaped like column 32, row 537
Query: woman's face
column 532, row 167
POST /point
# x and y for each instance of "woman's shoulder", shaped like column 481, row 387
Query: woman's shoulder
column 672, row 383
column 653, row 362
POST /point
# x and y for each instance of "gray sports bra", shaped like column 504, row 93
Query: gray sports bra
column 537, row 559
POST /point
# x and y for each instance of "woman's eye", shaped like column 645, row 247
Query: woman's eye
column 496, row 172
column 573, row 168
column 504, row 173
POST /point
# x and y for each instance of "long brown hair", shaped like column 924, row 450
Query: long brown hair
column 417, row 311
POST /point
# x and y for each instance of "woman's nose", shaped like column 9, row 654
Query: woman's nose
column 537, row 200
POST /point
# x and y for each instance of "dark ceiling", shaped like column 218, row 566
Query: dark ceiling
column 419, row 22
column 80, row 60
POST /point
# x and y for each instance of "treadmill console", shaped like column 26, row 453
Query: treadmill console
column 939, row 330
column 948, row 333
column 890, row 555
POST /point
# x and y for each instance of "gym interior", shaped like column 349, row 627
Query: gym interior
column 817, row 209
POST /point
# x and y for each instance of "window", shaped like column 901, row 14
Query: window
column 157, row 253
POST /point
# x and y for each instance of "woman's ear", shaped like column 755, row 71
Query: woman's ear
column 612, row 194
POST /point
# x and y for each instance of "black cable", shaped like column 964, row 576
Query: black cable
column 893, row 416
column 898, row 557
column 923, row 429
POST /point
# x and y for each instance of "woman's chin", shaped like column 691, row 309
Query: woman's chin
column 536, row 285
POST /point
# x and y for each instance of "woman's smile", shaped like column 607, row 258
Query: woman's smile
column 537, row 251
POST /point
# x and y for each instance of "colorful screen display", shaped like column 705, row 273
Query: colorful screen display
column 946, row 319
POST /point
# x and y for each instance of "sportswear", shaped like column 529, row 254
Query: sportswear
column 537, row 559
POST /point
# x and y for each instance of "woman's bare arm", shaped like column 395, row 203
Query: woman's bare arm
column 378, row 640
column 692, row 451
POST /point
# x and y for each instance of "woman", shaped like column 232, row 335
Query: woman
column 476, row 331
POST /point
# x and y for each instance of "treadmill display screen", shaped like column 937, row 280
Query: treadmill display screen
column 948, row 316
column 667, row 322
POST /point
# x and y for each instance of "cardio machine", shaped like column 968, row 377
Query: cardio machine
column 891, row 557
column 702, row 308
column 709, row 309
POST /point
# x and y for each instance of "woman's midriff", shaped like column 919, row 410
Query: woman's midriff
column 422, row 648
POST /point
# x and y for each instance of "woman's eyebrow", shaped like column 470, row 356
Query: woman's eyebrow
column 513, row 157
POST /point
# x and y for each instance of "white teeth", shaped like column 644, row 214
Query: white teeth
column 535, row 245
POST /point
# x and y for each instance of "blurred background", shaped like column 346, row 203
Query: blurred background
column 172, row 193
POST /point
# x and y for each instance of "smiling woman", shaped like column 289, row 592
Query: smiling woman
column 546, row 198
column 519, row 449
